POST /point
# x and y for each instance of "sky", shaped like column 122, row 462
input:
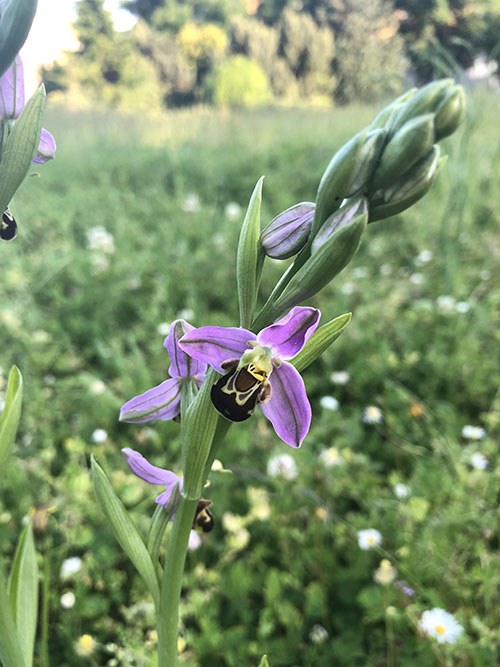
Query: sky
column 51, row 34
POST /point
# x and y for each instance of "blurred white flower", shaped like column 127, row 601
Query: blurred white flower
column 282, row 465
column 194, row 541
column 359, row 272
column 417, row 278
column 401, row 490
column 69, row 567
column 369, row 538
column 85, row 646
column 340, row 377
column 186, row 314
column 485, row 274
column 479, row 461
column 191, row 203
column 329, row 403
column 163, row 328
column 462, row 307
column 424, row 257
column 473, row 432
column 386, row 269
column 67, row 600
column 348, row 288
column 232, row 210
column 331, row 457
column 97, row 387
column 445, row 303
column 98, row 238
column 372, row 415
column 318, row 634
column 441, row 625
column 385, row 573
column 99, row 435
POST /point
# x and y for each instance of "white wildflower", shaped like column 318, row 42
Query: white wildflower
column 401, row 490
column 191, row 203
column 473, row 432
column 282, row 465
column 331, row 457
column 340, row 377
column 232, row 210
column 441, row 625
column 70, row 566
column 372, row 415
column 99, row 435
column 462, row 307
column 163, row 328
column 318, row 634
column 445, row 303
column 67, row 600
column 329, row 403
column 98, row 238
column 479, row 461
column 417, row 278
column 369, row 538
column 424, row 257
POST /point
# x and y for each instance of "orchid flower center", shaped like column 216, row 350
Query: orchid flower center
column 258, row 360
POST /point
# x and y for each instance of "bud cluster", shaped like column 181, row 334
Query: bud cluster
column 381, row 171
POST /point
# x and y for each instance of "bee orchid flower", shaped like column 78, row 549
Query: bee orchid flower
column 256, row 371
column 164, row 401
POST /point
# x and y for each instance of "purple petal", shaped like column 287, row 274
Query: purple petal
column 46, row 148
column 161, row 402
column 288, row 232
column 182, row 365
column 12, row 90
column 150, row 473
column 289, row 335
column 213, row 345
column 288, row 409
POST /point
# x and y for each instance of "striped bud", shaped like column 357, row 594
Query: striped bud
column 288, row 232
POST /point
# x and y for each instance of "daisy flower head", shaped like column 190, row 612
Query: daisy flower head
column 441, row 625
column 369, row 539
column 372, row 415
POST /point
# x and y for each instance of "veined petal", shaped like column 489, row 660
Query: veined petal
column 289, row 335
column 181, row 364
column 12, row 90
column 160, row 402
column 150, row 473
column 213, row 345
column 46, row 148
column 288, row 409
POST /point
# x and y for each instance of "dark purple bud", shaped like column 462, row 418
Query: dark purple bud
column 287, row 234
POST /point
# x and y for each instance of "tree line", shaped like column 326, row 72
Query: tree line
column 251, row 52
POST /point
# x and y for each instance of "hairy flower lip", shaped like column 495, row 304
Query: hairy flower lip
column 288, row 409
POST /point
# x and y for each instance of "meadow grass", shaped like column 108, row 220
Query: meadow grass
column 84, row 326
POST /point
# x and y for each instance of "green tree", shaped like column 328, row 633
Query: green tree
column 369, row 57
column 238, row 82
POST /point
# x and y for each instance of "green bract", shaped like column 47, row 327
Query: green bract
column 15, row 22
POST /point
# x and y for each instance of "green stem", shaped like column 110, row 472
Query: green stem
column 168, row 618
column 44, row 611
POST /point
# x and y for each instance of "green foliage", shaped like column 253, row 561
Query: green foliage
column 238, row 82
column 369, row 58
column 287, row 559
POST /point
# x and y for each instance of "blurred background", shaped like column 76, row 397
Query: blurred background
column 166, row 114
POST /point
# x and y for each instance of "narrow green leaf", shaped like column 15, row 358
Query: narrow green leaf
column 247, row 259
column 321, row 339
column 11, row 413
column 23, row 592
column 125, row 530
column 15, row 23
column 264, row 662
column 21, row 147
column 10, row 648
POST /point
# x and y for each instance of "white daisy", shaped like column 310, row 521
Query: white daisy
column 70, row 566
column 191, row 203
column 329, row 403
column 331, row 457
column 340, row 377
column 462, row 307
column 318, row 634
column 67, row 600
column 372, row 415
column 473, row 432
column 479, row 461
column 423, row 257
column 369, row 538
column 98, row 238
column 401, row 490
column 445, row 303
column 99, row 435
column 441, row 625
column 417, row 278
column 283, row 466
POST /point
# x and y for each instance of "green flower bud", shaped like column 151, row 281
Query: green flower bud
column 348, row 171
column 450, row 112
column 410, row 143
column 383, row 117
column 426, row 100
column 327, row 260
column 408, row 189
column 340, row 218
column 288, row 232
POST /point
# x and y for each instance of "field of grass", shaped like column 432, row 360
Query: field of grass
column 282, row 572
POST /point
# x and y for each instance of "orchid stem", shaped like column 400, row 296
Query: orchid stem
column 168, row 618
